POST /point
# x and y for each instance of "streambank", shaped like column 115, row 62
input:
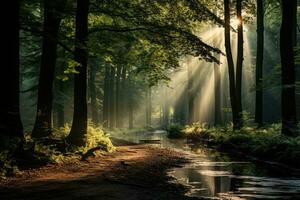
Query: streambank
column 261, row 144
column 132, row 172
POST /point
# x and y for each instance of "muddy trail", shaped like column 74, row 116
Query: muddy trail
column 132, row 172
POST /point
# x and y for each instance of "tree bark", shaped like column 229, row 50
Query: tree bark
column 230, row 63
column 60, row 114
column 10, row 119
column 93, row 94
column 124, row 97
column 59, row 88
column 259, row 63
column 239, row 63
column 118, row 96
column 106, row 98
column 112, row 99
column 130, row 103
column 148, row 107
column 288, row 102
column 52, row 18
column 217, row 77
column 78, row 131
column 165, row 110
column 191, row 96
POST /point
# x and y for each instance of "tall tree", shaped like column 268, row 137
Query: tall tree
column 52, row 17
column 79, row 125
column 130, row 101
column 191, row 95
column 148, row 106
column 240, row 58
column 93, row 93
column 118, row 95
column 259, row 63
column 10, row 120
column 105, row 109
column 165, row 110
column 217, row 89
column 59, row 103
column 230, row 63
column 112, row 98
column 123, row 96
column 287, row 41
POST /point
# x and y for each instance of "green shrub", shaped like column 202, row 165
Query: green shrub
column 96, row 136
column 175, row 131
column 267, row 142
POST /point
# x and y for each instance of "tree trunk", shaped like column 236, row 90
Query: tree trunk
column 232, row 88
column 60, row 115
column 118, row 96
column 106, row 98
column 259, row 63
column 239, row 63
column 59, row 87
column 165, row 110
column 52, row 18
column 130, row 103
column 288, row 107
column 123, row 97
column 148, row 107
column 191, row 96
column 93, row 94
column 112, row 99
column 79, row 125
column 10, row 120
column 130, row 115
column 297, row 66
column 217, row 76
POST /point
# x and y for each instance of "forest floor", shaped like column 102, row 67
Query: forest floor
column 132, row 172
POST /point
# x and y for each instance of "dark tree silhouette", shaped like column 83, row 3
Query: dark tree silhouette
column 217, row 90
column 112, row 98
column 52, row 18
column 10, row 120
column 288, row 97
column 79, row 125
column 259, row 63
column 239, row 63
column 230, row 63
column 105, row 121
column 93, row 93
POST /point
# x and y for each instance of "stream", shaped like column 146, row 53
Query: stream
column 215, row 175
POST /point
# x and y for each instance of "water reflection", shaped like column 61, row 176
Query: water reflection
column 214, row 175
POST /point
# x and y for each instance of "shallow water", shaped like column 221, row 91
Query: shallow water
column 215, row 175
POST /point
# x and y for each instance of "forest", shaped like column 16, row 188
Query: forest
column 150, row 99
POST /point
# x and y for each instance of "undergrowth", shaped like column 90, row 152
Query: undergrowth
column 267, row 142
column 53, row 149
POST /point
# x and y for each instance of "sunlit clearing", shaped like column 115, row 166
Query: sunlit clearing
column 193, row 85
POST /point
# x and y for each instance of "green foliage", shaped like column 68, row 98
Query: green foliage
column 8, row 145
column 266, row 143
column 51, row 150
column 193, row 131
column 175, row 131
column 95, row 137
column 69, row 71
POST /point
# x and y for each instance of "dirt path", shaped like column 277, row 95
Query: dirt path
column 133, row 172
